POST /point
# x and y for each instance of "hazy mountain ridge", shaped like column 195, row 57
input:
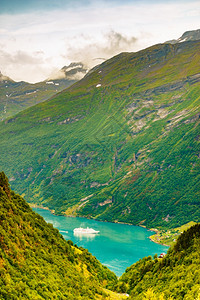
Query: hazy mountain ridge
column 4, row 78
column 17, row 96
column 74, row 71
column 115, row 145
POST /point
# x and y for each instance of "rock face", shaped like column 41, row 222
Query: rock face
column 193, row 35
column 74, row 71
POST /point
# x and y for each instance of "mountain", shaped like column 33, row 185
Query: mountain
column 74, row 71
column 176, row 276
column 4, row 78
column 17, row 96
column 120, row 145
column 37, row 263
column 192, row 35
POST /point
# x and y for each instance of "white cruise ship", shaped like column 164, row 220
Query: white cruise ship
column 85, row 230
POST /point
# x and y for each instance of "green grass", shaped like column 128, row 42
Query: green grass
column 169, row 237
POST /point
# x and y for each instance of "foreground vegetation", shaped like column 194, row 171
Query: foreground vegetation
column 37, row 263
column 176, row 276
column 120, row 145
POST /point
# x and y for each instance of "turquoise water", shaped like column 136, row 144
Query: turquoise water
column 117, row 246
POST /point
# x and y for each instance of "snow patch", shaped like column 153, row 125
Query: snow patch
column 31, row 93
column 180, row 40
column 98, row 85
column 74, row 67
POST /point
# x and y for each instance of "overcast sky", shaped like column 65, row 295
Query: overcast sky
column 38, row 37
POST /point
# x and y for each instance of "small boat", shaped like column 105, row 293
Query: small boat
column 63, row 231
column 85, row 230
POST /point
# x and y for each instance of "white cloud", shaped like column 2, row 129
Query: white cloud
column 95, row 51
column 20, row 57
column 23, row 65
column 84, row 34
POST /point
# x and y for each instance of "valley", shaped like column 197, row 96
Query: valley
column 99, row 150
column 116, row 145
column 117, row 246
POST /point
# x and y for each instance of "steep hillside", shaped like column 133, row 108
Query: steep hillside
column 176, row 276
column 37, row 263
column 122, row 144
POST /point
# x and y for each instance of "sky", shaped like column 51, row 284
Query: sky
column 39, row 37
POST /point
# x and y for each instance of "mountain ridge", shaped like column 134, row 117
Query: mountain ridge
column 190, row 35
column 17, row 96
column 115, row 145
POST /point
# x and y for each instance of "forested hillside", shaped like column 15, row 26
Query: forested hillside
column 176, row 276
column 120, row 145
column 37, row 263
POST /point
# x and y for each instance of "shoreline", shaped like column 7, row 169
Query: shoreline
column 32, row 205
column 150, row 237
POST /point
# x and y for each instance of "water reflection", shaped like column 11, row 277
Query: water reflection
column 84, row 236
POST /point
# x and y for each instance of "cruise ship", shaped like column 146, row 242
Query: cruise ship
column 85, row 230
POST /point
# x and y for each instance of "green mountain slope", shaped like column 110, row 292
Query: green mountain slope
column 176, row 276
column 122, row 144
column 37, row 263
